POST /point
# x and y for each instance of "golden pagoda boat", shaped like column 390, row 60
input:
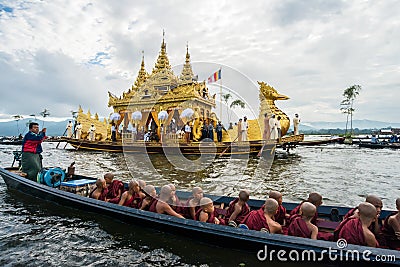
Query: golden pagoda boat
column 159, row 104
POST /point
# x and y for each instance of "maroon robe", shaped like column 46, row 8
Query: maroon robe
column 134, row 202
column 113, row 190
column 297, row 210
column 211, row 218
column 256, row 220
column 299, row 228
column 149, row 205
column 389, row 234
column 280, row 216
column 153, row 205
column 178, row 208
column 186, row 209
column 102, row 196
column 243, row 213
column 353, row 233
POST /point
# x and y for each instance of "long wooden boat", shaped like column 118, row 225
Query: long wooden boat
column 11, row 142
column 238, row 238
column 380, row 145
column 194, row 148
column 321, row 141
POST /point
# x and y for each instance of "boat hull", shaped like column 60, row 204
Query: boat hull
column 242, row 239
column 379, row 145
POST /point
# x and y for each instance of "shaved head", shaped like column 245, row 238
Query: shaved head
column 150, row 190
column 205, row 201
column 196, row 189
column 165, row 190
column 173, row 188
column 244, row 195
column 375, row 201
column 315, row 199
column 109, row 176
column 367, row 210
column 398, row 203
column 142, row 183
column 271, row 206
column 308, row 209
column 99, row 182
column 133, row 184
column 275, row 195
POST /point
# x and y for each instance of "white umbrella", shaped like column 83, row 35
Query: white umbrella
column 162, row 115
column 137, row 115
column 115, row 116
column 187, row 113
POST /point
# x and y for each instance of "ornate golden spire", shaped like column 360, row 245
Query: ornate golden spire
column 142, row 75
column 187, row 72
column 162, row 61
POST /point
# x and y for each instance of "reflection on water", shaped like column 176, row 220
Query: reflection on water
column 51, row 235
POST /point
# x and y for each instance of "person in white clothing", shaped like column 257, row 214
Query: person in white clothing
column 92, row 133
column 69, row 129
column 296, row 122
column 188, row 131
column 273, row 127
column 245, row 126
column 78, row 130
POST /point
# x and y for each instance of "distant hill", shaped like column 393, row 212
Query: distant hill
column 9, row 128
column 54, row 128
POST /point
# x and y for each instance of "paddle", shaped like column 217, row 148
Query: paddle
column 71, row 137
column 223, row 152
column 61, row 136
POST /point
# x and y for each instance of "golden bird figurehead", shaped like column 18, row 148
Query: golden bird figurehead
column 270, row 92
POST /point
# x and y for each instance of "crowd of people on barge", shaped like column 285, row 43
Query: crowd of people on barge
column 362, row 225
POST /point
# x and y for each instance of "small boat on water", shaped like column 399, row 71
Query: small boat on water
column 321, row 141
column 253, row 241
column 379, row 145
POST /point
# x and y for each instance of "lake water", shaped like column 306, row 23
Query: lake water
column 34, row 233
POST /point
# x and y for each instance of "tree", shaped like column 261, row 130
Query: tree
column 234, row 104
column 45, row 113
column 17, row 118
column 347, row 103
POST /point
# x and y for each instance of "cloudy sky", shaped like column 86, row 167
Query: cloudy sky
column 59, row 54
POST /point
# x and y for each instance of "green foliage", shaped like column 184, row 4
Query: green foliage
column 234, row 104
column 349, row 94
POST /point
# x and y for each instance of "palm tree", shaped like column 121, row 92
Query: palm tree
column 349, row 95
column 232, row 105
column 17, row 118
column 45, row 113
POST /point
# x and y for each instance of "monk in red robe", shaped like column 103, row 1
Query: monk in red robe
column 391, row 228
column 151, row 197
column 238, row 209
column 313, row 198
column 193, row 204
column 206, row 213
column 376, row 225
column 301, row 225
column 355, row 230
column 101, row 190
column 175, row 203
column 161, row 206
column 281, row 215
column 263, row 219
column 115, row 188
column 132, row 197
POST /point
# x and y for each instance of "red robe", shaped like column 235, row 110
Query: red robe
column 103, row 194
column 178, row 208
column 134, row 202
column 185, row 211
column 211, row 217
column 256, row 220
column 240, row 217
column 153, row 205
column 297, row 210
column 390, row 236
column 299, row 228
column 113, row 190
column 352, row 232
column 280, row 216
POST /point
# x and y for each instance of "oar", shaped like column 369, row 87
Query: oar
column 261, row 150
column 223, row 152
column 71, row 137
column 61, row 136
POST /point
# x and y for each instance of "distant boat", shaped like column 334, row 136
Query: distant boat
column 380, row 145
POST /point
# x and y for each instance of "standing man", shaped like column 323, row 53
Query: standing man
column 92, row 133
column 69, row 129
column 278, row 127
column 296, row 122
column 78, row 130
column 273, row 127
column 31, row 148
column 267, row 129
column 239, row 125
column 211, row 131
column 219, row 129
column 245, row 126
column 188, row 130
column 113, row 132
